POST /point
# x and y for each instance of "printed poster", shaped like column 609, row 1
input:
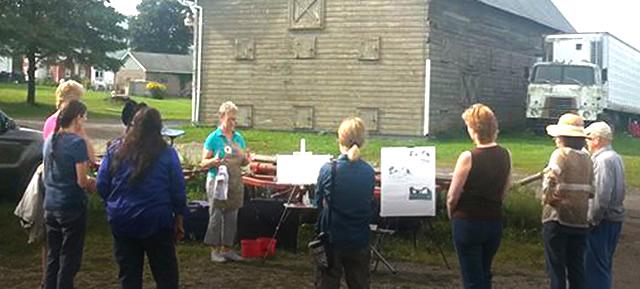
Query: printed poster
column 408, row 181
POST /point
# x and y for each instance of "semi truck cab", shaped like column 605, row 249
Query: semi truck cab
column 556, row 88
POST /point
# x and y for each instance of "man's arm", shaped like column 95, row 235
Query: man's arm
column 603, row 180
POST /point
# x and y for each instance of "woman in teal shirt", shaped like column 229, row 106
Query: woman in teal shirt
column 224, row 153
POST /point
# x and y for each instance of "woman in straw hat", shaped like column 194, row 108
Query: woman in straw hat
column 566, row 189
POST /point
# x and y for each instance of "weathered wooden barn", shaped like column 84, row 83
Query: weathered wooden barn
column 407, row 67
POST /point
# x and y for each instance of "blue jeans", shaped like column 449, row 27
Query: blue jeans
column 161, row 253
column 602, row 242
column 476, row 242
column 564, row 249
column 65, row 241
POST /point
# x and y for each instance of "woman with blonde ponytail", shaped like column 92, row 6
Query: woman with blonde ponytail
column 344, row 195
column 351, row 137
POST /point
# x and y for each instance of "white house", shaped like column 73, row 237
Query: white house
column 102, row 79
column 6, row 64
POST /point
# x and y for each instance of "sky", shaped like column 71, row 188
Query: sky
column 618, row 17
column 126, row 7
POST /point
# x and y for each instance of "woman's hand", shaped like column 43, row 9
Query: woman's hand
column 179, row 228
column 91, row 186
column 209, row 163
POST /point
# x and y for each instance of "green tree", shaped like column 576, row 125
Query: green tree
column 160, row 28
column 83, row 30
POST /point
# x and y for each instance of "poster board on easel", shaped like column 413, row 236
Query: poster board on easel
column 299, row 168
column 408, row 181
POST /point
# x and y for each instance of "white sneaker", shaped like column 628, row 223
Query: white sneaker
column 217, row 257
column 232, row 256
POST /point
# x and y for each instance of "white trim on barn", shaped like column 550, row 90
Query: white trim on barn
column 427, row 95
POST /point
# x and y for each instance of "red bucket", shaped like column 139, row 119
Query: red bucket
column 251, row 249
column 267, row 246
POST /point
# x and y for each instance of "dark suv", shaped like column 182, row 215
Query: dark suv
column 20, row 155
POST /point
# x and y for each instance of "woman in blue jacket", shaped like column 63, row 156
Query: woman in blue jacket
column 346, row 210
column 141, row 182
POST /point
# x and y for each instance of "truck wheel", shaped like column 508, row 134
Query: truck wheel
column 536, row 126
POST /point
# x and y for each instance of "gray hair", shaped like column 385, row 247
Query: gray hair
column 227, row 107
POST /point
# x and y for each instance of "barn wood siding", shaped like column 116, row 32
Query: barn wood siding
column 335, row 83
column 479, row 54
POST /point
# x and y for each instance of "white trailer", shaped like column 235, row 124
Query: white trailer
column 593, row 74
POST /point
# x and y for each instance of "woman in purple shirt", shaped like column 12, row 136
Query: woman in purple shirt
column 141, row 183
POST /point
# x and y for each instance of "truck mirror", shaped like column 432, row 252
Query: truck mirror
column 605, row 77
column 527, row 74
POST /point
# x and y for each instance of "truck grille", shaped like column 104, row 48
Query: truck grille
column 556, row 106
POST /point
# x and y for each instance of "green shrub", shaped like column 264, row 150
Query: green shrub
column 523, row 210
column 157, row 90
column 195, row 187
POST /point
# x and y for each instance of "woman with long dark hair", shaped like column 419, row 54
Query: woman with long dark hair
column 141, row 182
column 66, row 184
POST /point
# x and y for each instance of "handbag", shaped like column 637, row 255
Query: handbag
column 318, row 246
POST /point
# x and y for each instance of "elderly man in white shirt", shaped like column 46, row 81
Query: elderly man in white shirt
column 606, row 212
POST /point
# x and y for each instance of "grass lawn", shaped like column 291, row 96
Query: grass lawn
column 421, row 267
column 521, row 247
column 530, row 152
column 13, row 102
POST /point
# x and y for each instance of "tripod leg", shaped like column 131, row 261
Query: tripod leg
column 384, row 261
column 283, row 217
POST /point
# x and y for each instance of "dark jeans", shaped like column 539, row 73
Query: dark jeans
column 65, row 240
column 476, row 242
column 161, row 252
column 601, row 243
column 354, row 263
column 564, row 249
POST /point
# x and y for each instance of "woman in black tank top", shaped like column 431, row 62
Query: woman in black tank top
column 474, row 200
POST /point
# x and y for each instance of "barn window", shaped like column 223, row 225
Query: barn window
column 245, row 49
column 245, row 116
column 306, row 14
column 579, row 46
column 369, row 49
column 304, row 47
column 303, row 117
column 369, row 116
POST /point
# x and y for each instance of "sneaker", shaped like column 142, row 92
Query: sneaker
column 217, row 257
column 232, row 256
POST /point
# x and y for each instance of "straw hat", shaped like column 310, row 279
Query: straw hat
column 569, row 124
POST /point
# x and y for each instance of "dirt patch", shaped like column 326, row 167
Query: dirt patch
column 625, row 274
column 285, row 272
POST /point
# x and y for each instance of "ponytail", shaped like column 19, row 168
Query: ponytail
column 353, row 153
column 351, row 136
column 54, row 137
column 67, row 114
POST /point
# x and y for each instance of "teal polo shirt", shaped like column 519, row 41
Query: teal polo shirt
column 217, row 141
